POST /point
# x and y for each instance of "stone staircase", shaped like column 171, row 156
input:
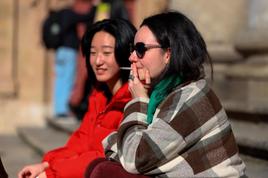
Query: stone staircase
column 252, row 138
column 54, row 135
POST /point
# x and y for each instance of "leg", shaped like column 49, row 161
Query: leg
column 65, row 64
column 109, row 169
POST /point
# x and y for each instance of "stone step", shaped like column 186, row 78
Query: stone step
column 242, row 86
column 15, row 154
column 255, row 168
column 251, row 137
column 67, row 125
column 223, row 53
column 251, row 41
column 42, row 139
column 244, row 111
column 248, row 98
column 54, row 135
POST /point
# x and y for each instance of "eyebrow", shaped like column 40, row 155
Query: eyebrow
column 103, row 46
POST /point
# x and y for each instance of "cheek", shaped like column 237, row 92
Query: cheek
column 91, row 62
column 116, row 71
column 146, row 63
column 114, row 67
column 156, row 68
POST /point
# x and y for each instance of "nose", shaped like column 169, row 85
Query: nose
column 99, row 59
column 133, row 57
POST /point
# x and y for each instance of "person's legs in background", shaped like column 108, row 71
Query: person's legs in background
column 65, row 69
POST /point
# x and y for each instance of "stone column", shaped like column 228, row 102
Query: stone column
column 253, row 39
column 7, row 63
column 252, row 73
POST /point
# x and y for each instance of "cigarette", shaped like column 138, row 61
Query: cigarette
column 125, row 68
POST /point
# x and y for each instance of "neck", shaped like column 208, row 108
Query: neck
column 156, row 80
column 114, row 86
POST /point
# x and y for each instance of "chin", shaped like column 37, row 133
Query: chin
column 102, row 79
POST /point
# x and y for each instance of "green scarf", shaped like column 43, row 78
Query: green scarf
column 160, row 91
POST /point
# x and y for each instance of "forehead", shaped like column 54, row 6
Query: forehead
column 144, row 34
column 103, row 38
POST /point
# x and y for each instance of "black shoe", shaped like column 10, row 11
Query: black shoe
column 3, row 173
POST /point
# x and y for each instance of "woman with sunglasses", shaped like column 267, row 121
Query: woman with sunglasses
column 175, row 126
column 106, row 47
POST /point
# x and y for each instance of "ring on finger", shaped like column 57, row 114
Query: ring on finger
column 131, row 77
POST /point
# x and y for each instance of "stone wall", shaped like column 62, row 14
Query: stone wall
column 218, row 21
column 22, row 70
column 27, row 68
column 236, row 35
column 145, row 8
column 6, row 11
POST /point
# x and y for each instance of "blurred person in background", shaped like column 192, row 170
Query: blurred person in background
column 106, row 48
column 103, row 9
column 81, row 12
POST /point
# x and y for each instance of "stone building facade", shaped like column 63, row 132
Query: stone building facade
column 26, row 70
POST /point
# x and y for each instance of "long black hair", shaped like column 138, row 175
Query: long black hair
column 176, row 32
column 123, row 32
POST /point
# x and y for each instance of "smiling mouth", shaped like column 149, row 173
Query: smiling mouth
column 100, row 70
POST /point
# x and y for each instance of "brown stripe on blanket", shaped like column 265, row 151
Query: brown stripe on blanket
column 194, row 116
column 136, row 107
column 169, row 106
column 211, row 154
column 214, row 100
column 148, row 155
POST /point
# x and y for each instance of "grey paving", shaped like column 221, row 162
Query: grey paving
column 15, row 154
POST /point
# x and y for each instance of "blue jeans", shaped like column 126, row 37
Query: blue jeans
column 65, row 70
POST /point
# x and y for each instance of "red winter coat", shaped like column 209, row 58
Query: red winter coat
column 84, row 144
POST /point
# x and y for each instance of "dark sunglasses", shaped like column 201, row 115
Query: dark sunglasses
column 141, row 48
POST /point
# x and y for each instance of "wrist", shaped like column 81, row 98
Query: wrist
column 45, row 164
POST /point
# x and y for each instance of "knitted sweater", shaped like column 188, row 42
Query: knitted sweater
column 190, row 136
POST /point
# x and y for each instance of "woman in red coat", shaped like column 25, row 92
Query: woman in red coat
column 106, row 47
